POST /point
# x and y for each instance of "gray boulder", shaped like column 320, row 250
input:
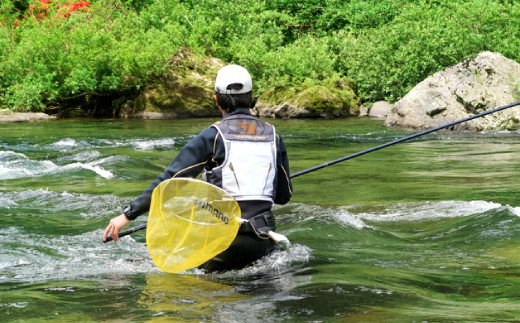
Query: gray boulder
column 8, row 116
column 481, row 83
column 286, row 110
column 380, row 109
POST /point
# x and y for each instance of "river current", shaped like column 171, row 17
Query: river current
column 427, row 230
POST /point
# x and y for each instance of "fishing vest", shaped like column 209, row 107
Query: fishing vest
column 249, row 168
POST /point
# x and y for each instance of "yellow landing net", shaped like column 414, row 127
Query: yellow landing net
column 190, row 222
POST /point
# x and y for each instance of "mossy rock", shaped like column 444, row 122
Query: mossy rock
column 184, row 91
column 332, row 99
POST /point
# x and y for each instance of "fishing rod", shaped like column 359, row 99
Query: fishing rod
column 366, row 151
column 402, row 139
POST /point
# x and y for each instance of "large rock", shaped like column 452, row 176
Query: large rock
column 283, row 110
column 8, row 116
column 380, row 109
column 484, row 82
column 184, row 91
column 331, row 100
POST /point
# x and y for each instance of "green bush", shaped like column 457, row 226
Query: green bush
column 304, row 62
column 385, row 63
column 103, row 52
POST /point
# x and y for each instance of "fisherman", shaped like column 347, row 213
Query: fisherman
column 240, row 154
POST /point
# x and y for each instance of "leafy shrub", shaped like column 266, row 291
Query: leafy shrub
column 304, row 62
column 386, row 62
column 100, row 53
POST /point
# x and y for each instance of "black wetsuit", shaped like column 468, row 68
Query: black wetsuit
column 206, row 151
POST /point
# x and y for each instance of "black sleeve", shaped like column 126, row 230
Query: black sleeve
column 189, row 163
column 283, row 180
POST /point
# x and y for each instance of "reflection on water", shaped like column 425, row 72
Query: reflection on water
column 236, row 296
column 194, row 298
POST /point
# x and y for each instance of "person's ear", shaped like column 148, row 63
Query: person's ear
column 218, row 105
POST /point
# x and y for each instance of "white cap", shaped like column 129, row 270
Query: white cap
column 233, row 75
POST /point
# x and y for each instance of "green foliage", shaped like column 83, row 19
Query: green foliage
column 304, row 62
column 119, row 46
column 387, row 62
column 137, row 4
column 103, row 52
column 358, row 16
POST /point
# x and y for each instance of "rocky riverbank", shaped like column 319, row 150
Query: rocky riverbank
column 481, row 83
column 8, row 116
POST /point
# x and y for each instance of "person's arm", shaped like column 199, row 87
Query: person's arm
column 189, row 163
column 284, row 188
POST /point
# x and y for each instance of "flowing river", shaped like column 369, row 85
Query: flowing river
column 427, row 230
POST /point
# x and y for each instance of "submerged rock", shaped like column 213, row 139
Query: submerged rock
column 484, row 82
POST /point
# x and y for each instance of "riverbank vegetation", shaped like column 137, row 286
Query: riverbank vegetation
column 57, row 54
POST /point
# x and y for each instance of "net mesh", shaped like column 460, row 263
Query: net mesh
column 190, row 222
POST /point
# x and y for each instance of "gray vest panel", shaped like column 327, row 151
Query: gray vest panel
column 249, row 168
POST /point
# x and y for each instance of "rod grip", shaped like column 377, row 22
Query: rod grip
column 127, row 232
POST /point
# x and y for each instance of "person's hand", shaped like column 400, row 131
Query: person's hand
column 114, row 227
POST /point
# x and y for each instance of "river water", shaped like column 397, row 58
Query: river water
column 427, row 230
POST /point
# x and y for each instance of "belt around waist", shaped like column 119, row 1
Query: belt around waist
column 261, row 223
